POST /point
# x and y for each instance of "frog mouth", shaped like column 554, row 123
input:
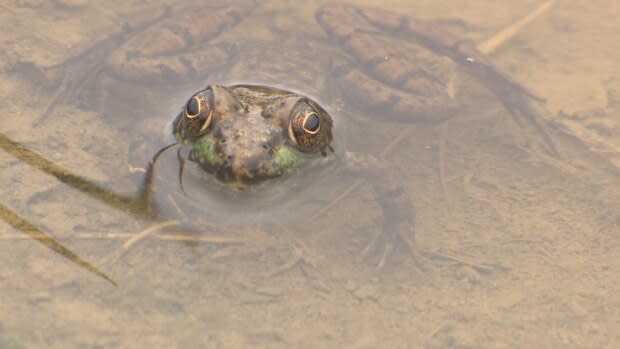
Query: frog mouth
column 241, row 171
column 232, row 172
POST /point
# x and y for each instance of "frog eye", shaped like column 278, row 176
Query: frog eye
column 311, row 123
column 192, row 109
column 199, row 110
column 304, row 127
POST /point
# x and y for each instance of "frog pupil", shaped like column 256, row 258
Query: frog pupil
column 311, row 123
column 193, row 107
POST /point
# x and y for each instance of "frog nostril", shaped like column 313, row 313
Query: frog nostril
column 228, row 162
column 239, row 134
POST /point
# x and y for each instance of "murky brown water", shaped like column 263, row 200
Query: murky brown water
column 521, row 246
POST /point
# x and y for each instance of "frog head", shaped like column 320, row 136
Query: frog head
column 246, row 134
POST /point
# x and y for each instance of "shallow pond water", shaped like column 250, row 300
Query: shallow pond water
column 520, row 246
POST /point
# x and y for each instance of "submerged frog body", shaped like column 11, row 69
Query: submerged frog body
column 392, row 68
column 246, row 134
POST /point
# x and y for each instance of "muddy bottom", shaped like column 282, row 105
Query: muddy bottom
column 518, row 246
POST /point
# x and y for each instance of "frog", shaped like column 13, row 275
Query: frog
column 249, row 137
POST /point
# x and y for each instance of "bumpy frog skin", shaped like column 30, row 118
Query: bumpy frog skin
column 246, row 134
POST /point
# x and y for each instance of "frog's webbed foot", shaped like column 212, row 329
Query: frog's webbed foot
column 516, row 98
column 397, row 233
column 366, row 27
column 396, row 237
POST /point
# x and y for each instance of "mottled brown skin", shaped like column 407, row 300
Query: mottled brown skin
column 411, row 81
column 164, row 47
column 177, row 47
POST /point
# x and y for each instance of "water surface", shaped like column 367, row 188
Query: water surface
column 526, row 243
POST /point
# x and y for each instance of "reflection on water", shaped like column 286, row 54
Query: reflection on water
column 499, row 212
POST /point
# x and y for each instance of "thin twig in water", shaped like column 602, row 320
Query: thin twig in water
column 152, row 231
column 147, row 232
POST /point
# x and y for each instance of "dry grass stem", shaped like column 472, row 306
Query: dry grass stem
column 492, row 44
column 148, row 231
